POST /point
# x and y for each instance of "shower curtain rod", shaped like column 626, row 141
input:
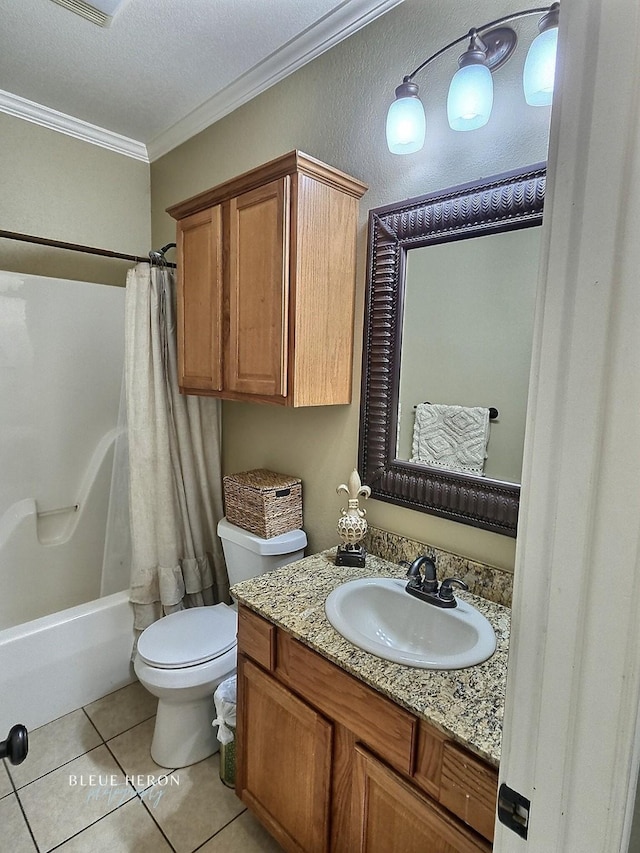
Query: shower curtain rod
column 152, row 257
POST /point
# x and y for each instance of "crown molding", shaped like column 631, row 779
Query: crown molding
column 318, row 38
column 329, row 31
column 54, row 120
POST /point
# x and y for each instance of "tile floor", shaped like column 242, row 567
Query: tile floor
column 50, row 802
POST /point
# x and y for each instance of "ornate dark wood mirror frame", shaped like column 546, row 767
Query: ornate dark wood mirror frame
column 504, row 202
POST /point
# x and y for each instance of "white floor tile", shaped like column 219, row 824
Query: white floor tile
column 74, row 796
column 244, row 835
column 5, row 783
column 119, row 711
column 129, row 829
column 132, row 750
column 13, row 828
column 195, row 808
column 103, row 815
column 53, row 745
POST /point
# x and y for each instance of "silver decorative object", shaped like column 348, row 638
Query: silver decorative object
column 352, row 524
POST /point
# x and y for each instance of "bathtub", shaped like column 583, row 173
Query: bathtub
column 55, row 664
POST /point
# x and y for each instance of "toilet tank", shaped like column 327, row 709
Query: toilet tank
column 248, row 555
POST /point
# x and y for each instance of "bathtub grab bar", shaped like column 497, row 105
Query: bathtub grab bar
column 58, row 510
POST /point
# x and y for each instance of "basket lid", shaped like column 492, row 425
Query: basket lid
column 260, row 478
column 285, row 543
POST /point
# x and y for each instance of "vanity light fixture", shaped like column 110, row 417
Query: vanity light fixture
column 470, row 97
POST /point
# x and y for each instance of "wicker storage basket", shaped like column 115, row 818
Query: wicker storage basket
column 263, row 502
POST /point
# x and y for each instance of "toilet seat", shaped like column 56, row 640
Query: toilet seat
column 189, row 637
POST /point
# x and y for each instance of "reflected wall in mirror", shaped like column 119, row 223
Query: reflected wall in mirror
column 450, row 299
column 467, row 331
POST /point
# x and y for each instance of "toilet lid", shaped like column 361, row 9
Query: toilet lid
column 189, row 637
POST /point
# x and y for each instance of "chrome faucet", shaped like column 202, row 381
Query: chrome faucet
column 425, row 586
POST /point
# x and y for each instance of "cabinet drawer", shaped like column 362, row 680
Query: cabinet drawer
column 257, row 638
column 388, row 730
column 469, row 788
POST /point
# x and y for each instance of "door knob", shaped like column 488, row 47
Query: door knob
column 16, row 746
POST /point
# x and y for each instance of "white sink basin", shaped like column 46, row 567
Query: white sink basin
column 377, row 615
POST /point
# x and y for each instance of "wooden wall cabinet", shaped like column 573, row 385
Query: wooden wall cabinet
column 266, row 285
column 331, row 766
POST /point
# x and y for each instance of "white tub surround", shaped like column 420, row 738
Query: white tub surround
column 61, row 357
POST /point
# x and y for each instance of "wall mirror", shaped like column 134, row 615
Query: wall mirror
column 451, row 281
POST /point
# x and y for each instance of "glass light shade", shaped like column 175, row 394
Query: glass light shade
column 470, row 98
column 406, row 125
column 540, row 69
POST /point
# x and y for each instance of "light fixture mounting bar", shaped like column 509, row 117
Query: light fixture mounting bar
column 479, row 30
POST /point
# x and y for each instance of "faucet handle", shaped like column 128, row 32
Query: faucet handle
column 446, row 591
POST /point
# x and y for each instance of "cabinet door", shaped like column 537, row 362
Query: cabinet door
column 284, row 770
column 199, row 243
column 391, row 815
column 259, row 291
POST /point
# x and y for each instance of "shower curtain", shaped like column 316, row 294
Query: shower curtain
column 116, row 557
column 174, row 458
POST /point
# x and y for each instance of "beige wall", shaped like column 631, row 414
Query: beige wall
column 59, row 187
column 334, row 108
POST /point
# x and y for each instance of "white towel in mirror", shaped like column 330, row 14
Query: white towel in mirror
column 452, row 437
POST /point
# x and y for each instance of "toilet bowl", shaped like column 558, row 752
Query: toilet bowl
column 184, row 656
column 181, row 659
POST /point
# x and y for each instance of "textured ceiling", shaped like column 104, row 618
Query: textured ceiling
column 165, row 68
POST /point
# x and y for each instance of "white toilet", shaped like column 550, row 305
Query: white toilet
column 183, row 657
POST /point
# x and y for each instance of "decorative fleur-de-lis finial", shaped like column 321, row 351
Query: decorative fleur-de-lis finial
column 355, row 490
column 352, row 525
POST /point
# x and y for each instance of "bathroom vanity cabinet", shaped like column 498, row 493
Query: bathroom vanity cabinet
column 329, row 764
column 266, row 283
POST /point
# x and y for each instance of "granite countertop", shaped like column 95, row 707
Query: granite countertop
column 465, row 704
